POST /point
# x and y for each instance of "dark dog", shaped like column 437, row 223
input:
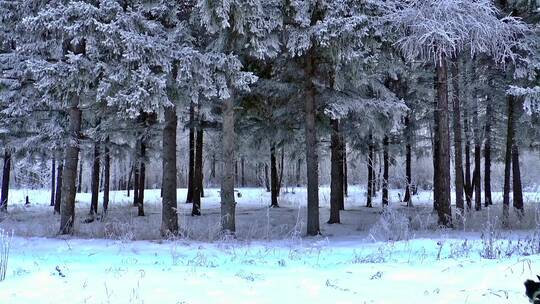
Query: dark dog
column 532, row 290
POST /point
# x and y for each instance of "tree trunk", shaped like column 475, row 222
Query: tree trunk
column 442, row 188
column 242, row 164
column 435, row 146
column 379, row 179
column 516, row 180
column 508, row 162
column 516, row 174
column 336, row 173
column 458, row 157
column 298, row 170
column 169, row 213
column 468, row 181
column 6, row 172
column 408, row 174
column 236, row 179
column 142, row 179
column 213, row 168
column 106, row 177
column 266, row 180
column 79, row 180
column 312, row 158
column 228, row 205
column 341, row 177
column 95, row 180
column 69, row 175
column 197, row 191
column 371, row 174
column 58, row 194
column 201, row 179
column 407, row 198
column 191, row 173
column 281, row 168
column 53, row 180
column 386, row 166
column 136, row 180
column 477, row 159
column 487, row 156
column 345, row 172
column 274, row 187
column 129, row 183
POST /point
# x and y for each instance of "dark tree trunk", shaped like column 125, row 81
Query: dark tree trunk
column 342, row 179
column 516, row 180
column 58, row 194
column 312, row 158
column 408, row 166
column 386, row 165
column 69, row 175
column 371, row 174
column 142, row 178
column 242, row 164
column 197, row 191
column 213, row 168
column 336, row 173
column 281, row 168
column 274, row 187
column 53, row 180
column 6, row 172
column 236, row 173
column 477, row 165
column 458, row 157
column 95, row 180
column 106, row 177
column 516, row 174
column 435, row 147
column 201, row 181
column 79, row 180
column 380, row 163
column 169, row 213
column 408, row 174
column 508, row 162
column 442, row 187
column 345, row 172
column 487, row 156
column 468, row 181
column 266, row 178
column 129, row 183
column 191, row 173
column 298, row 170
column 228, row 204
column 136, row 180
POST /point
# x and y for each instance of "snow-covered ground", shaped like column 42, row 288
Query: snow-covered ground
column 398, row 257
column 312, row 271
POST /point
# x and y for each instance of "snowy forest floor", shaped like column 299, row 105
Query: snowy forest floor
column 396, row 257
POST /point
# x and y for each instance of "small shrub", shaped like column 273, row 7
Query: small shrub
column 460, row 249
column 491, row 241
column 391, row 226
column 117, row 230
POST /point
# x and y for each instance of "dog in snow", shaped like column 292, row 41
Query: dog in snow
column 532, row 290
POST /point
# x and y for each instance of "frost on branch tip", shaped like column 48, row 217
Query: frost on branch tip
column 432, row 29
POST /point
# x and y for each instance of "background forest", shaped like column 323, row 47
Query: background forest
column 218, row 151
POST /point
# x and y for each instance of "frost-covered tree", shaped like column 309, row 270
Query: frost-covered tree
column 241, row 29
column 436, row 31
column 112, row 54
column 270, row 120
column 64, row 57
column 321, row 35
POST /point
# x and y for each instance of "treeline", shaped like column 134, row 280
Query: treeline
column 263, row 80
